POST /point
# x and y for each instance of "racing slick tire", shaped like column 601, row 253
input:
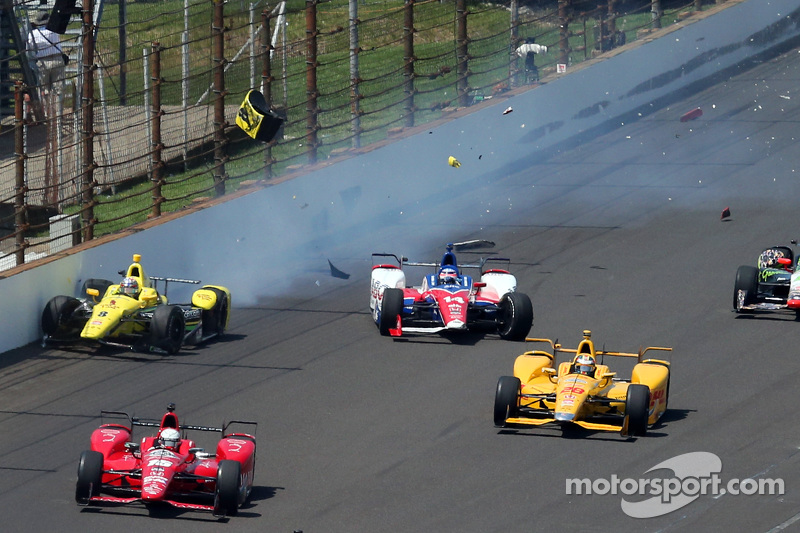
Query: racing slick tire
column 747, row 281
column 391, row 306
column 57, row 313
column 90, row 476
column 226, row 496
column 167, row 328
column 506, row 400
column 215, row 320
column 637, row 406
column 516, row 316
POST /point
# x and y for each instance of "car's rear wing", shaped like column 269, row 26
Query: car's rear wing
column 150, row 422
column 556, row 347
column 167, row 281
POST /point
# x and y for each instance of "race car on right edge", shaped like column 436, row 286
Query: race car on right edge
column 774, row 285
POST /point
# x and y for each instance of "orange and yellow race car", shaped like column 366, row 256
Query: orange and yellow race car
column 582, row 392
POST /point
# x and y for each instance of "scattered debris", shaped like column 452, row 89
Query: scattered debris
column 508, row 110
column 691, row 115
column 453, row 162
column 336, row 273
column 725, row 213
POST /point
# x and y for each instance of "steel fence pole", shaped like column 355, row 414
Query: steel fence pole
column 513, row 67
column 408, row 59
column 20, row 206
column 462, row 54
column 157, row 176
column 87, row 134
column 266, row 81
column 312, row 117
column 220, row 141
column 355, row 78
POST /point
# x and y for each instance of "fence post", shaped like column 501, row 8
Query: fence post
column 355, row 97
column 156, row 146
column 408, row 59
column 656, row 12
column 611, row 24
column 87, row 123
column 563, row 41
column 462, row 54
column 123, row 52
column 266, row 81
column 218, row 30
column 513, row 66
column 312, row 119
column 20, row 207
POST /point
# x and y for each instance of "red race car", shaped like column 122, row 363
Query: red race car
column 166, row 468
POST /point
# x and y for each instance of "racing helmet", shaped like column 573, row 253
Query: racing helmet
column 584, row 364
column 448, row 276
column 129, row 286
column 170, row 438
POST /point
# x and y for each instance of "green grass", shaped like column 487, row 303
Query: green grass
column 382, row 89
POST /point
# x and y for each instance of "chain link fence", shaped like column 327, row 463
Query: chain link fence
column 144, row 122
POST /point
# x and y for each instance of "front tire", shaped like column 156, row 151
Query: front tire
column 746, row 281
column 516, row 316
column 637, row 406
column 391, row 307
column 506, row 400
column 226, row 498
column 57, row 315
column 167, row 328
column 90, row 476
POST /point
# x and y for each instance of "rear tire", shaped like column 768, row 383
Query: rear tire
column 167, row 328
column 637, row 406
column 506, row 400
column 226, row 500
column 90, row 476
column 516, row 316
column 391, row 306
column 57, row 315
column 747, row 281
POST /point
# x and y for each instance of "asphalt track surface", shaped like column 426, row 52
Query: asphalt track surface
column 621, row 234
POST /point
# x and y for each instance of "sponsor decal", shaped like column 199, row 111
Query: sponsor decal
column 192, row 314
column 657, row 396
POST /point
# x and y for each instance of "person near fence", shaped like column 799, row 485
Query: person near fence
column 46, row 46
column 527, row 51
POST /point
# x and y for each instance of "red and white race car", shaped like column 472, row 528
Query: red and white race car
column 448, row 299
column 166, row 468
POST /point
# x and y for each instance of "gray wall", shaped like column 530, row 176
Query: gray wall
column 403, row 195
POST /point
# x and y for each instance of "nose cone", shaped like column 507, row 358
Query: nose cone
column 565, row 417
column 154, row 487
column 456, row 324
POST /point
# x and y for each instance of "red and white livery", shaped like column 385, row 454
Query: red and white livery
column 166, row 468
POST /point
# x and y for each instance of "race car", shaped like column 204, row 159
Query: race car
column 166, row 468
column 774, row 285
column 581, row 392
column 133, row 314
column 448, row 299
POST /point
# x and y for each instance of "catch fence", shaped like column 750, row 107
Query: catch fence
column 145, row 123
